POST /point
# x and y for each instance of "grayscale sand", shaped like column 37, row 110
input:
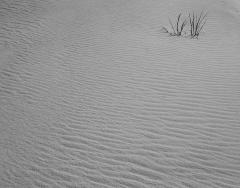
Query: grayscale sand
column 94, row 95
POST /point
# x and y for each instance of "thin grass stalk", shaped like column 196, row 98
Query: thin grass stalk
column 178, row 20
column 172, row 26
column 201, row 23
column 196, row 23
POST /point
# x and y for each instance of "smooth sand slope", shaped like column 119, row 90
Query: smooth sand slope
column 92, row 95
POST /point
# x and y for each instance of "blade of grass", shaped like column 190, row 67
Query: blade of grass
column 172, row 26
column 183, row 25
column 190, row 19
column 178, row 20
column 198, row 22
column 202, row 24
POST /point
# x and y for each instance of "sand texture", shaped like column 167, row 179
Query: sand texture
column 94, row 95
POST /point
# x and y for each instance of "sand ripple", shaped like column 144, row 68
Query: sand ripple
column 93, row 95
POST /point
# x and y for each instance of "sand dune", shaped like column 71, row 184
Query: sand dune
column 93, row 94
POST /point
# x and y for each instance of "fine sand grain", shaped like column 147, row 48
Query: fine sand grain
column 93, row 94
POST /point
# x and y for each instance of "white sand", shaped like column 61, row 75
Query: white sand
column 92, row 94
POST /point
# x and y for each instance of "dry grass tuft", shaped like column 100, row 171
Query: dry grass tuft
column 177, row 29
column 196, row 23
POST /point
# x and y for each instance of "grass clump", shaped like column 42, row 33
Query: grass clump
column 196, row 23
column 177, row 29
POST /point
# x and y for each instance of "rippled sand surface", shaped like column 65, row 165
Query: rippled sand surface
column 93, row 94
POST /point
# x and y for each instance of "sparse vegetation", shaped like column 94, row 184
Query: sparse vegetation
column 196, row 23
column 177, row 29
